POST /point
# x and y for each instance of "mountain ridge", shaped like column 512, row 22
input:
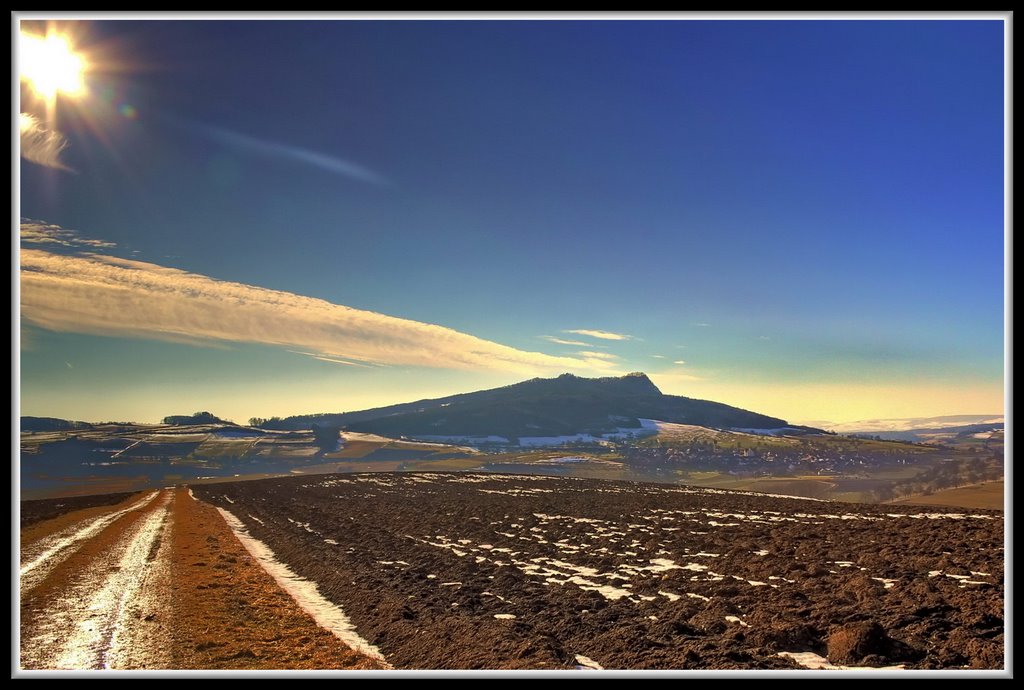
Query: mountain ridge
column 566, row 404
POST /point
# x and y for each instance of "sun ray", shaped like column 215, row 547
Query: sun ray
column 50, row 65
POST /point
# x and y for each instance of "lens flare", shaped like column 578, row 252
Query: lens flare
column 50, row 65
column 25, row 122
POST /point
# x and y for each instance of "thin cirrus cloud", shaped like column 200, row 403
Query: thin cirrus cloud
column 40, row 145
column 590, row 354
column 105, row 295
column 38, row 232
column 601, row 335
column 560, row 341
column 332, row 360
column 278, row 150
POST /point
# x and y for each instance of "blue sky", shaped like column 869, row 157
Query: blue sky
column 808, row 215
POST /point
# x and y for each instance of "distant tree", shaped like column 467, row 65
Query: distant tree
column 326, row 437
column 884, row 493
column 271, row 423
column 197, row 418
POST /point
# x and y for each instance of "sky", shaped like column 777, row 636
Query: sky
column 267, row 218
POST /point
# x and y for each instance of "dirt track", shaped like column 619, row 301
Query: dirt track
column 85, row 587
column 484, row 571
column 158, row 581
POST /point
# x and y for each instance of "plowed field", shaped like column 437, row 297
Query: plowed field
column 446, row 571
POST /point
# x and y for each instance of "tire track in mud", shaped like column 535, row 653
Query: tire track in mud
column 80, row 616
column 41, row 556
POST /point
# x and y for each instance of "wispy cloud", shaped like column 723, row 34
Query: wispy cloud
column 559, row 341
column 333, row 360
column 105, row 295
column 680, row 362
column 275, row 149
column 590, row 354
column 40, row 145
column 658, row 356
column 603, row 335
column 701, row 324
column 38, row 232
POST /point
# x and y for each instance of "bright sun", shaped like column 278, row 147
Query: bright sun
column 49, row 64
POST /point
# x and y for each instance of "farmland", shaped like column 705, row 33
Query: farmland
column 985, row 495
column 485, row 571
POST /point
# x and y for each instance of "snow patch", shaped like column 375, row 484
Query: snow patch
column 780, row 431
column 304, row 592
column 814, row 661
column 588, row 664
column 63, row 541
column 469, row 440
column 95, row 644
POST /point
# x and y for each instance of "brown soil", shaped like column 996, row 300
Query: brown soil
column 33, row 512
column 423, row 564
column 983, row 495
column 228, row 613
column 852, row 644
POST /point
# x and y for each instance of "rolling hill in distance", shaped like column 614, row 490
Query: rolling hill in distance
column 943, row 429
column 866, row 426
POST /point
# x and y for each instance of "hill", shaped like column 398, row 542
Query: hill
column 945, row 434
column 51, row 424
column 875, row 426
column 199, row 418
column 560, row 406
